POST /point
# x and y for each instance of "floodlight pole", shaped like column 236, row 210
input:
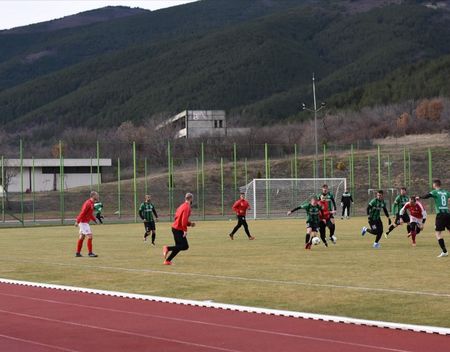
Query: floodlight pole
column 315, row 110
column 315, row 125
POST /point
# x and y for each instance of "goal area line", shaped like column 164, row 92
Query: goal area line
column 238, row 308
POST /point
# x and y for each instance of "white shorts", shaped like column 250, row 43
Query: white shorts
column 416, row 220
column 85, row 229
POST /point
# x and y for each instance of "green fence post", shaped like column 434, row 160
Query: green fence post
column 409, row 168
column 314, row 168
column 98, row 167
column 203, row 180
column 430, row 168
column 198, row 182
column 235, row 169
column 169, row 178
column 246, row 171
column 221, row 186
column 324, row 161
column 134, row 182
column 295, row 161
column 118, row 189
column 90, row 171
column 368, row 171
column 389, row 171
column 61, row 183
column 404, row 168
column 145, row 177
column 379, row 167
column 32, row 189
column 172, row 187
column 3, row 189
column 21, row 182
column 331, row 167
column 352, row 155
column 266, row 159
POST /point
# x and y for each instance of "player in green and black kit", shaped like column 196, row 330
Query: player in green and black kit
column 331, row 207
column 399, row 203
column 146, row 212
column 374, row 211
column 98, row 208
column 313, row 210
column 441, row 198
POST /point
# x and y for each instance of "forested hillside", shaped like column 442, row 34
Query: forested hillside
column 253, row 58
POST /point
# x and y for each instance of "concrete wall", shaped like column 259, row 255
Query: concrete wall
column 206, row 123
column 46, row 182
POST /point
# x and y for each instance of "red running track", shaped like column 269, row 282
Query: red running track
column 44, row 320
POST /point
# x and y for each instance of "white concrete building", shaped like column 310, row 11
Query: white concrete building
column 77, row 172
column 198, row 123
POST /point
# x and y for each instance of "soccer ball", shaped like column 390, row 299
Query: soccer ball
column 315, row 241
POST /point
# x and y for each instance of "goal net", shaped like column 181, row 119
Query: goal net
column 274, row 197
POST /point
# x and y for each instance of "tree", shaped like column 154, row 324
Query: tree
column 430, row 110
column 403, row 121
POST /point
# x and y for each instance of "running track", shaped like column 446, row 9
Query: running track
column 41, row 319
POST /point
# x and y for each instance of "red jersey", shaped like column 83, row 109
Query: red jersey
column 87, row 212
column 182, row 217
column 240, row 207
column 417, row 210
column 325, row 213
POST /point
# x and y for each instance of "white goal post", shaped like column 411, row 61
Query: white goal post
column 270, row 198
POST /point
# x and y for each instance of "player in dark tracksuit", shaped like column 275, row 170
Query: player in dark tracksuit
column 346, row 201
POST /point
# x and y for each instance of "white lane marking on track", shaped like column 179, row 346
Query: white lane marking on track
column 261, row 331
column 37, row 343
column 116, row 331
column 240, row 278
column 233, row 307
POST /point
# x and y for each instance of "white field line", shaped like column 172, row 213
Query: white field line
column 241, row 278
column 330, row 318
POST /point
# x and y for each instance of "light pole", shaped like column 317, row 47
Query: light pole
column 315, row 111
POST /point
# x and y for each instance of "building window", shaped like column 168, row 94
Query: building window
column 218, row 123
column 70, row 169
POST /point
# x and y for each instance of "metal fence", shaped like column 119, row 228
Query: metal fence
column 211, row 170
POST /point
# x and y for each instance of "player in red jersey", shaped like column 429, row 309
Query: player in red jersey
column 179, row 230
column 417, row 217
column 325, row 221
column 82, row 221
column 240, row 207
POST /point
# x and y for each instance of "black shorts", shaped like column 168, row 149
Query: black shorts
column 442, row 222
column 313, row 225
column 404, row 217
column 376, row 226
column 149, row 226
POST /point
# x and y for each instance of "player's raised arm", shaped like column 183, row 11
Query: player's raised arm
column 294, row 210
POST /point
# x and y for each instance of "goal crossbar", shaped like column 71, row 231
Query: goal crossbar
column 273, row 197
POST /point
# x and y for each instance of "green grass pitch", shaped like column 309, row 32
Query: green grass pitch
column 396, row 283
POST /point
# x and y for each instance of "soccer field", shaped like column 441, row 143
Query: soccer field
column 396, row 283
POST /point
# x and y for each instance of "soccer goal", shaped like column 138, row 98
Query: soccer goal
column 274, row 197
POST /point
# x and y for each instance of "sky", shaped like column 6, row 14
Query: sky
column 15, row 13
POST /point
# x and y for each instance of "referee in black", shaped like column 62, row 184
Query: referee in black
column 346, row 201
